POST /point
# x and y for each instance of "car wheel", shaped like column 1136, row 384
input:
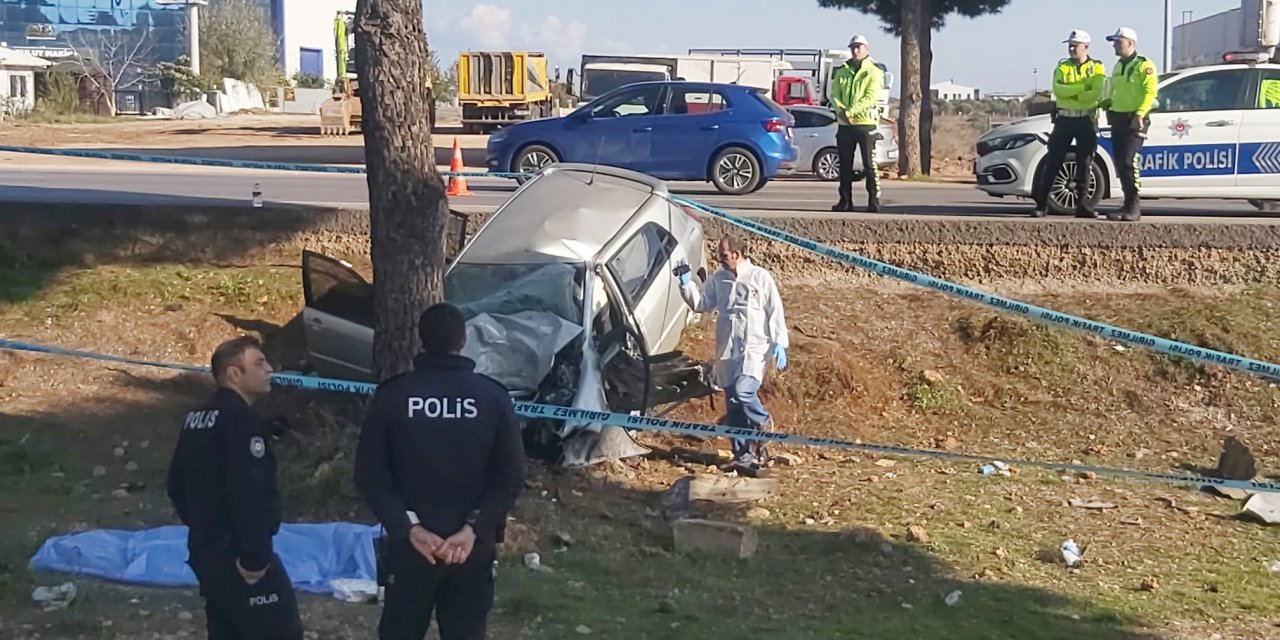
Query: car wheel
column 532, row 159
column 1062, row 191
column 826, row 165
column 735, row 172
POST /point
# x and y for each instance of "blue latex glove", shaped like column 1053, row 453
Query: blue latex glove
column 687, row 276
column 780, row 357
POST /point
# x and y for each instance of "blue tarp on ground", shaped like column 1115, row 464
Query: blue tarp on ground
column 313, row 554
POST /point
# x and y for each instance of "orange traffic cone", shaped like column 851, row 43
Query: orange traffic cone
column 457, row 184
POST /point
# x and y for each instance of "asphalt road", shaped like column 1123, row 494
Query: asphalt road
column 791, row 197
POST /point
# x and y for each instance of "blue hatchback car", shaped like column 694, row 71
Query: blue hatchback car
column 734, row 136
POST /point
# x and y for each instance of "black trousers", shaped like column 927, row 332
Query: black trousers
column 235, row 610
column 848, row 139
column 1084, row 132
column 461, row 596
column 1126, row 149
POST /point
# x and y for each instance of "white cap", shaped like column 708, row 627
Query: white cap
column 1079, row 35
column 1124, row 32
column 857, row 40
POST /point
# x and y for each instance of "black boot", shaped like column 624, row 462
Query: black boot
column 1116, row 215
column 1133, row 213
column 1083, row 210
column 873, row 203
column 845, row 204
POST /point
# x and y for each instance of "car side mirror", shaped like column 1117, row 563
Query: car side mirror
column 1155, row 104
column 569, row 78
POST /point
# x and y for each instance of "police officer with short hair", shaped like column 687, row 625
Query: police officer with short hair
column 222, row 481
column 1078, row 82
column 441, row 461
column 1131, row 95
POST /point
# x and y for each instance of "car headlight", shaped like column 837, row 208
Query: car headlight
column 1006, row 143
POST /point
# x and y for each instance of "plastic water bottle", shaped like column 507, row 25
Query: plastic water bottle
column 1070, row 553
column 257, row 195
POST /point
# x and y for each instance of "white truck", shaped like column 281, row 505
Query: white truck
column 601, row 74
column 812, row 68
column 1250, row 32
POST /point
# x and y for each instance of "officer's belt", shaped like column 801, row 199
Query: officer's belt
column 1075, row 113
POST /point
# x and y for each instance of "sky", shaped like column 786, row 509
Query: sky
column 993, row 53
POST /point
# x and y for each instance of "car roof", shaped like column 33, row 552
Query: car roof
column 695, row 83
column 567, row 213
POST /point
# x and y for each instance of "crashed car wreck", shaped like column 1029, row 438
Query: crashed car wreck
column 570, row 300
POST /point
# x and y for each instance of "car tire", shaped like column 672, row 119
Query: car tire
column 826, row 165
column 532, row 159
column 1062, row 198
column 735, row 172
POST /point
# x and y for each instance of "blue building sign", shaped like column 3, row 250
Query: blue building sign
column 49, row 27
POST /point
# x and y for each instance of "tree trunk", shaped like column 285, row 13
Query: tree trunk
column 926, row 79
column 909, row 98
column 407, row 203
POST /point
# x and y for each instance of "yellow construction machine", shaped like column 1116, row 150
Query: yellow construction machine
column 501, row 87
column 342, row 113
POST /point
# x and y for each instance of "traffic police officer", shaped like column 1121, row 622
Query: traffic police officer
column 1132, row 93
column 1077, row 89
column 222, row 481
column 855, row 98
column 441, row 462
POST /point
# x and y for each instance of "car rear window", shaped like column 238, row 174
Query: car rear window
column 762, row 96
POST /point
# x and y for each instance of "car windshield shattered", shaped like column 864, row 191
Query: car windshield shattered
column 519, row 316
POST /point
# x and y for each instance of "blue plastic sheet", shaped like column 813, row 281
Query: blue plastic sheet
column 313, row 554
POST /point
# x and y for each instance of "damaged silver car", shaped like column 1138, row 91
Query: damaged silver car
column 570, row 299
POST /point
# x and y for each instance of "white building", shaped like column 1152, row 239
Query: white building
column 306, row 35
column 18, row 80
column 951, row 91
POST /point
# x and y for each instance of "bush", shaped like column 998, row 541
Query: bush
column 57, row 92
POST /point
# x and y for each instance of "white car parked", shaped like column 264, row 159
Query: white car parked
column 1210, row 137
column 814, row 134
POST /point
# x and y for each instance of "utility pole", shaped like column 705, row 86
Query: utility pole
column 1168, row 35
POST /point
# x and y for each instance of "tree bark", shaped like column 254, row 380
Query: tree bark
column 909, row 97
column 926, row 79
column 408, row 207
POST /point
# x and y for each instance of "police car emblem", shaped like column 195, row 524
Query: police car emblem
column 1180, row 128
column 257, row 447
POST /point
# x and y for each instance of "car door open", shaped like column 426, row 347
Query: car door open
column 338, row 318
column 634, row 380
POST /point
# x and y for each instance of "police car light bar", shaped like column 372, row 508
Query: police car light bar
column 1245, row 57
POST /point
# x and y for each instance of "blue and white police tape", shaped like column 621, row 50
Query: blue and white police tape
column 1136, row 338
column 1048, row 316
column 228, row 163
column 666, row 425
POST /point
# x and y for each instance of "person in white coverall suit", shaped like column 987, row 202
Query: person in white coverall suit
column 750, row 327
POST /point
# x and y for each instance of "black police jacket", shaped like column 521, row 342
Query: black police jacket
column 443, row 442
column 222, row 478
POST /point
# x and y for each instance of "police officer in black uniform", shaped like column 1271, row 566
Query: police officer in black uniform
column 222, row 481
column 441, row 462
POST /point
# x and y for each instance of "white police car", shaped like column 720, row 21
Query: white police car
column 1209, row 138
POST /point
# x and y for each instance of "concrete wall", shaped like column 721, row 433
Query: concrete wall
column 309, row 24
column 306, row 101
